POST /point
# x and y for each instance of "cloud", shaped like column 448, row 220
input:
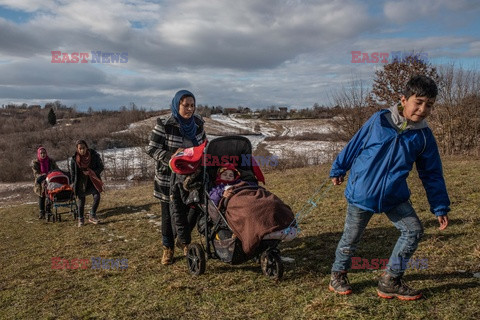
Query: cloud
column 242, row 35
column 29, row 5
column 46, row 93
column 250, row 52
column 42, row 72
column 402, row 11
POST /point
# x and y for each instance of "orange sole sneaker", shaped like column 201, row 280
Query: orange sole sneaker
column 400, row 297
column 339, row 292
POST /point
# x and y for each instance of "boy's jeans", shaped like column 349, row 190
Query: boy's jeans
column 404, row 219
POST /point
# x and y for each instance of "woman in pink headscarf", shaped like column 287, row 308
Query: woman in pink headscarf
column 41, row 166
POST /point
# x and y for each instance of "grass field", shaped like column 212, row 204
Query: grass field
column 31, row 289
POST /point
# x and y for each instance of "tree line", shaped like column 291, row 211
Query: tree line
column 455, row 119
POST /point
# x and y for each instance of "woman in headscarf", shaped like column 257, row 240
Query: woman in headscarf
column 41, row 166
column 85, row 168
column 182, row 129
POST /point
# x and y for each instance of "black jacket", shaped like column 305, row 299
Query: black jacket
column 81, row 184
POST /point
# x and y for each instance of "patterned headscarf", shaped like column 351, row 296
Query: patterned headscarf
column 188, row 128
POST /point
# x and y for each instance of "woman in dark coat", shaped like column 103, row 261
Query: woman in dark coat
column 41, row 167
column 85, row 169
column 182, row 129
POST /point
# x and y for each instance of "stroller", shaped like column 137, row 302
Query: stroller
column 59, row 193
column 213, row 225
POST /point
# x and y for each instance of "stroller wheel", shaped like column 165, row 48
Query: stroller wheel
column 272, row 265
column 196, row 260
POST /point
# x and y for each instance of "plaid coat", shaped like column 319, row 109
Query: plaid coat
column 165, row 139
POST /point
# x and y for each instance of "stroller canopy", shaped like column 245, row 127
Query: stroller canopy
column 236, row 150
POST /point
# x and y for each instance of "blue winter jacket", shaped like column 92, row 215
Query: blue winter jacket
column 380, row 157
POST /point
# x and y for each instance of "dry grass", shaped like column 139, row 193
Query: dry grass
column 31, row 289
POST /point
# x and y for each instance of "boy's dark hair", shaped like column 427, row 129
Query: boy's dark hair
column 421, row 86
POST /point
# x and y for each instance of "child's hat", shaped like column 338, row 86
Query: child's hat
column 228, row 166
column 187, row 161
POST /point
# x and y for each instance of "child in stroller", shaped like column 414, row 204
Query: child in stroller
column 59, row 193
column 227, row 176
column 251, row 213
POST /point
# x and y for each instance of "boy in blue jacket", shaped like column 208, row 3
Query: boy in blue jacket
column 380, row 156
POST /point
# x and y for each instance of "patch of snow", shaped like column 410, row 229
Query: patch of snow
column 299, row 127
column 287, row 259
column 13, row 186
column 232, row 122
column 316, row 152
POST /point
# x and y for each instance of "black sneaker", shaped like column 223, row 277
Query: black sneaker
column 339, row 283
column 41, row 215
column 390, row 286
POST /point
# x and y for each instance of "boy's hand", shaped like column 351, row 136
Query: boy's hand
column 443, row 221
column 337, row 180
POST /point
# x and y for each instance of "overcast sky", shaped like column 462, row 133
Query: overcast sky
column 253, row 53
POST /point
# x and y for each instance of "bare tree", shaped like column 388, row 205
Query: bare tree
column 390, row 81
column 354, row 110
column 456, row 117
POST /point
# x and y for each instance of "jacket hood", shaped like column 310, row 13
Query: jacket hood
column 400, row 122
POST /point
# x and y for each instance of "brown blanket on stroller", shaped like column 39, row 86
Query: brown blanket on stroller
column 252, row 212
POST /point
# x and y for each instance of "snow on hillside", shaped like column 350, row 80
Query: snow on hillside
column 256, row 130
column 316, row 152
column 299, row 127
column 254, row 126
column 122, row 165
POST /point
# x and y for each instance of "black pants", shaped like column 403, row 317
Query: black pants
column 43, row 205
column 168, row 237
column 43, row 197
column 185, row 221
column 81, row 204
